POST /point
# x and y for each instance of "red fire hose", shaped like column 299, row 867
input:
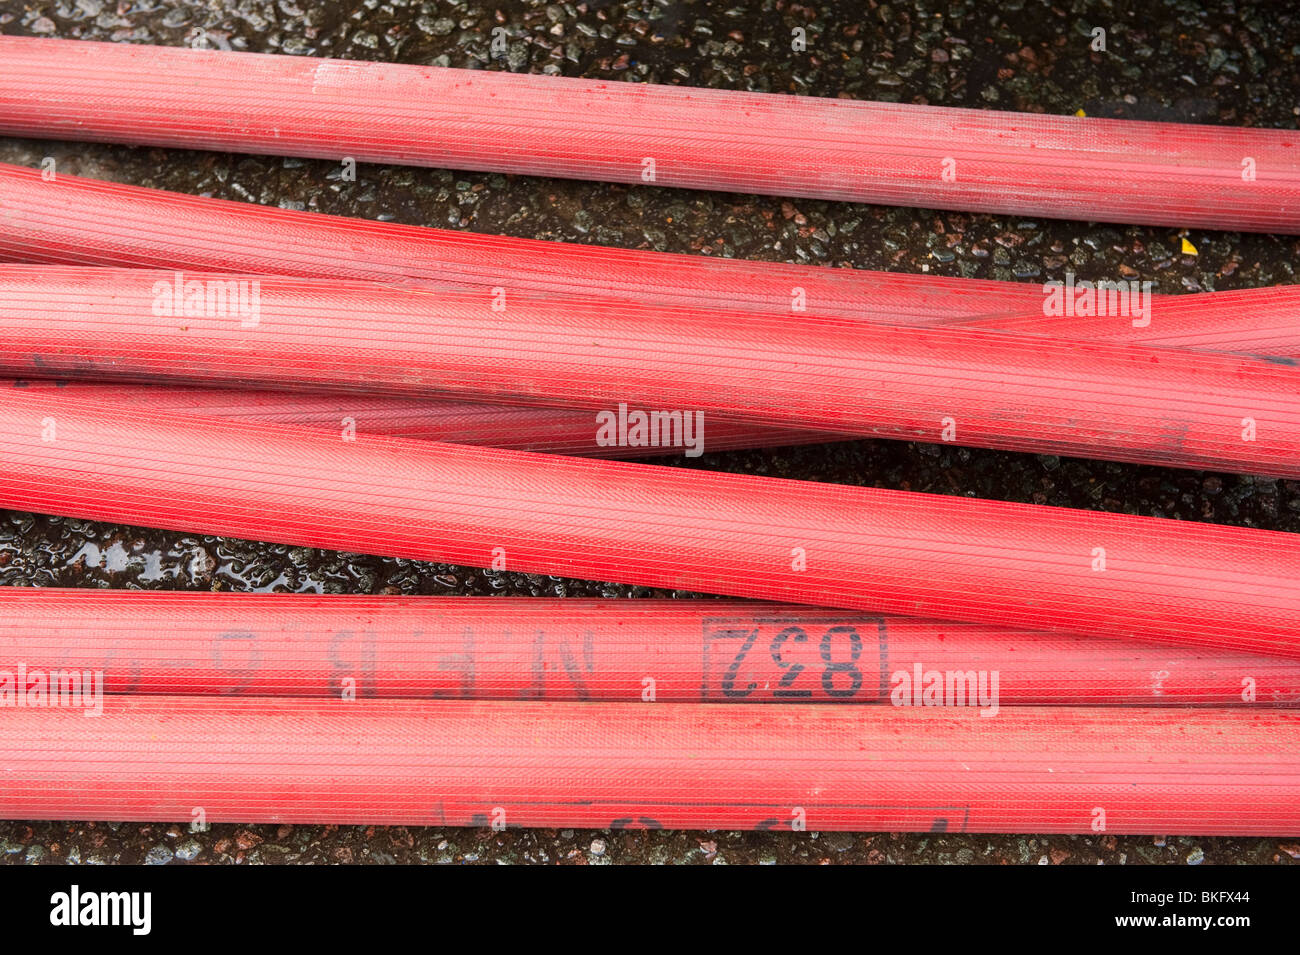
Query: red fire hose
column 929, row 156
column 632, row 765
column 74, row 221
column 490, row 712
column 1257, row 321
column 893, row 552
column 971, row 387
column 611, row 650
column 553, row 430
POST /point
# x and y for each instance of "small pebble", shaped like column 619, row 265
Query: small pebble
column 158, row 855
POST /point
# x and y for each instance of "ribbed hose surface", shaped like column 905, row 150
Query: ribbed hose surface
column 634, row 765
column 970, row 387
column 666, row 651
column 553, row 430
column 1213, row 177
column 561, row 763
column 1257, row 321
column 895, row 552
column 74, row 221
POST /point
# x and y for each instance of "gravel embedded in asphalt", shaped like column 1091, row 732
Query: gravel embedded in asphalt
column 1231, row 64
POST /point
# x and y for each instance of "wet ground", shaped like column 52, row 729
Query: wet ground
column 1229, row 63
